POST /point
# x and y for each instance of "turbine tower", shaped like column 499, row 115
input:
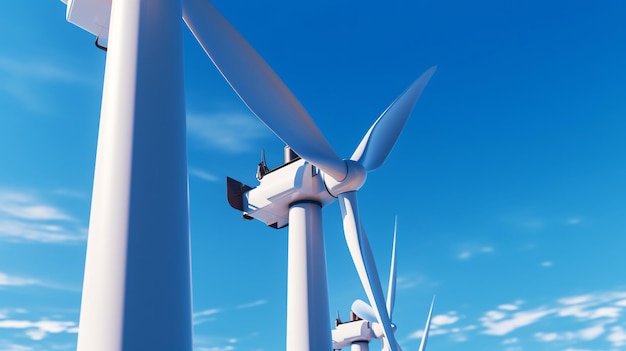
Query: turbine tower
column 295, row 193
column 137, row 282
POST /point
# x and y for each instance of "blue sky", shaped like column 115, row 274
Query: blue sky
column 508, row 181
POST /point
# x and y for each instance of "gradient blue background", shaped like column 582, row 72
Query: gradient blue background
column 509, row 181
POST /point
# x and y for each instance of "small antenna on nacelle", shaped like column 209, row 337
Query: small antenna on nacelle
column 338, row 320
column 262, row 169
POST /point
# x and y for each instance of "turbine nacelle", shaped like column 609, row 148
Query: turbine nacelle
column 278, row 189
column 295, row 181
column 348, row 333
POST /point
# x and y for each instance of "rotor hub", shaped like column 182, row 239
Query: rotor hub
column 354, row 180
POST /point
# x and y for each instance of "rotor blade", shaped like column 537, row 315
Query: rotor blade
column 364, row 310
column 364, row 262
column 381, row 137
column 391, row 289
column 259, row 87
column 427, row 327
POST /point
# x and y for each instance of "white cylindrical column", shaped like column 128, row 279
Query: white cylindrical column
column 360, row 346
column 308, row 317
column 137, row 284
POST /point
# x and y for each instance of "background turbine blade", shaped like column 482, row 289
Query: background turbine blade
column 391, row 289
column 259, row 87
column 364, row 262
column 427, row 327
column 383, row 134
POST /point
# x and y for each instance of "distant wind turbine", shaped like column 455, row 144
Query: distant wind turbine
column 364, row 327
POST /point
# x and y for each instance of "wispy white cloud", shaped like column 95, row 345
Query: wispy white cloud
column 207, row 343
column 39, row 69
column 589, row 333
column 598, row 315
column 208, row 312
column 592, row 306
column 574, row 220
column 575, row 300
column 471, row 251
column 510, row 306
column 209, row 315
column 503, row 326
column 9, row 280
column 203, row 175
column 23, row 206
column 205, row 316
column 546, row 337
column 403, row 282
column 7, row 345
column 444, row 319
column 444, row 324
column 20, row 231
column 510, row 341
column 228, row 132
column 458, row 334
column 69, row 193
column 24, row 217
column 546, row 264
column 5, row 312
column 22, row 79
column 40, row 329
column 594, row 312
column 252, row 304
column 413, row 280
column 537, row 223
column 495, row 315
column 617, row 337
column 216, row 348
column 532, row 224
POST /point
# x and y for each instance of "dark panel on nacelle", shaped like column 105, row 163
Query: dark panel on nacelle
column 234, row 193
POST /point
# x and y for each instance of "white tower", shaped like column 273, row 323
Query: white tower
column 137, row 285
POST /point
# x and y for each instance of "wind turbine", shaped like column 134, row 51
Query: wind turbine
column 364, row 327
column 315, row 176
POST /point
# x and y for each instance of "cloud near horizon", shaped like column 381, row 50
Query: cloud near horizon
column 40, row 329
column 24, row 218
column 599, row 315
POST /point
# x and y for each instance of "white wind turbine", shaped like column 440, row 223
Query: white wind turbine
column 363, row 326
column 295, row 193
